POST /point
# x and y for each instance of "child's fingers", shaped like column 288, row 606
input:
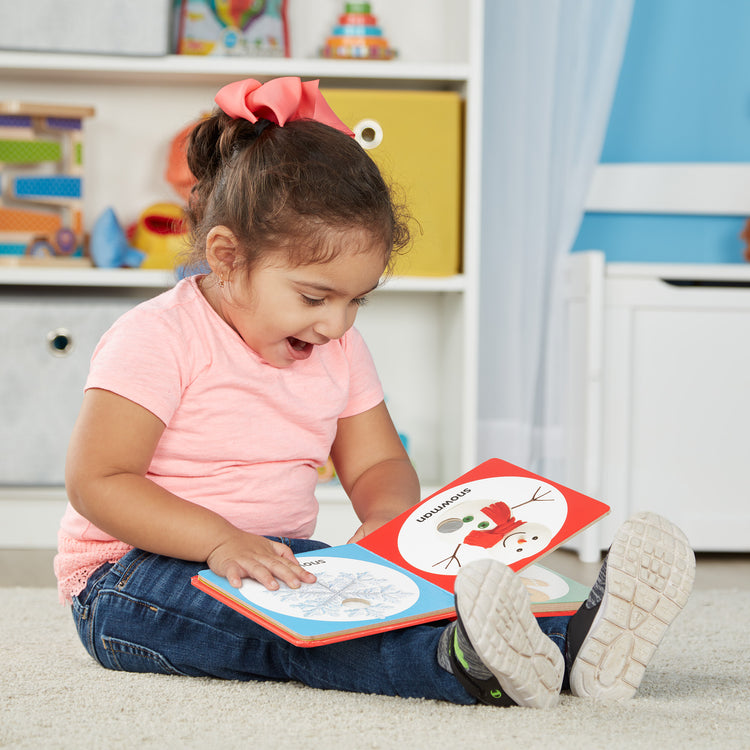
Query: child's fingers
column 255, row 569
column 282, row 550
column 269, row 571
column 233, row 574
column 290, row 572
column 265, row 562
column 360, row 533
column 303, row 574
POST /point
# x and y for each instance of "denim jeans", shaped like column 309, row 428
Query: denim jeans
column 142, row 614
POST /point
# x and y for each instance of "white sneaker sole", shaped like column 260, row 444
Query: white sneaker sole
column 650, row 574
column 496, row 615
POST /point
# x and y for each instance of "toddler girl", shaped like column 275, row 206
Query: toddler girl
column 208, row 408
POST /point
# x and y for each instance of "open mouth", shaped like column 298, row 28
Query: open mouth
column 300, row 349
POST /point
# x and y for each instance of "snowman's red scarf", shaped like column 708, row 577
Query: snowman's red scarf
column 505, row 523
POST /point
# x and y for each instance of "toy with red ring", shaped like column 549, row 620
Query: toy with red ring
column 358, row 36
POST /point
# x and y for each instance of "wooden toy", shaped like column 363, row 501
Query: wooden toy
column 357, row 36
column 41, row 183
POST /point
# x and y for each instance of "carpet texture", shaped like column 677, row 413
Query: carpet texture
column 694, row 695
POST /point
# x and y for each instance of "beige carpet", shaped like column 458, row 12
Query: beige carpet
column 696, row 694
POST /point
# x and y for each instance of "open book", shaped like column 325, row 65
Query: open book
column 403, row 573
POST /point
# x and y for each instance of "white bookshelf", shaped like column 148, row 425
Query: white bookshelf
column 179, row 68
column 146, row 278
column 422, row 331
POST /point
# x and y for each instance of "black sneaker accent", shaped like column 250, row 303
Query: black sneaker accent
column 487, row 690
column 497, row 651
column 578, row 628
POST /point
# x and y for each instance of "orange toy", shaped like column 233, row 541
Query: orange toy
column 178, row 174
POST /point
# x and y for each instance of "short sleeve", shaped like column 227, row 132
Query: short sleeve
column 141, row 358
column 365, row 389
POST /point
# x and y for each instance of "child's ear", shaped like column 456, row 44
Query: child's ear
column 222, row 251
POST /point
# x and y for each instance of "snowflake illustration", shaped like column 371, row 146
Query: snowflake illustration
column 346, row 595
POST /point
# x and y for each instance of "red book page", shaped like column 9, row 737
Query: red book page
column 496, row 510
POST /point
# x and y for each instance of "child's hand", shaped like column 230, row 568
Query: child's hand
column 369, row 526
column 360, row 533
column 251, row 556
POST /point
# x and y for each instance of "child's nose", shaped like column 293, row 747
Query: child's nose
column 335, row 322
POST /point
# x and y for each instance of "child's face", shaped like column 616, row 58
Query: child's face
column 282, row 312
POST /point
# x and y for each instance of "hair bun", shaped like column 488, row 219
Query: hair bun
column 203, row 153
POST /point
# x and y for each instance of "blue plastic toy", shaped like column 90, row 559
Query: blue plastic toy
column 109, row 247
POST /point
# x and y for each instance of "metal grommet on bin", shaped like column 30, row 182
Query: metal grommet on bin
column 368, row 133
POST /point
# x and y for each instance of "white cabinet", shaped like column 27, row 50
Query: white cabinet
column 660, row 394
column 422, row 331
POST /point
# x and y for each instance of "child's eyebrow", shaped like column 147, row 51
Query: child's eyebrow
column 332, row 290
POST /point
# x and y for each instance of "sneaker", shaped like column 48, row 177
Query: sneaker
column 643, row 585
column 497, row 651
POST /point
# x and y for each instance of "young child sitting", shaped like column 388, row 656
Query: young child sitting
column 208, row 408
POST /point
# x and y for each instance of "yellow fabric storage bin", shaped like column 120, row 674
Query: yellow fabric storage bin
column 415, row 139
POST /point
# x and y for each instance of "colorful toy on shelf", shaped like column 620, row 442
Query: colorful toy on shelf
column 109, row 246
column 178, row 173
column 233, row 27
column 41, row 182
column 160, row 234
column 358, row 36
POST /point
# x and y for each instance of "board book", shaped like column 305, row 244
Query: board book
column 403, row 573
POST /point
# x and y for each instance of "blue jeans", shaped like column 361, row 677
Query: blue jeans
column 142, row 614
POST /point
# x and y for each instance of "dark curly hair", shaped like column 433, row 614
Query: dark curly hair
column 287, row 189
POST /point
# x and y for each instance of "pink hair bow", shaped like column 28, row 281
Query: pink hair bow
column 281, row 100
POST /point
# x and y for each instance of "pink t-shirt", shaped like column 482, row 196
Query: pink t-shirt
column 242, row 438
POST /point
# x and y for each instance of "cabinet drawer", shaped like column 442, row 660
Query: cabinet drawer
column 46, row 339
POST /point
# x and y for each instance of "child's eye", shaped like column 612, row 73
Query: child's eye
column 313, row 301
column 360, row 301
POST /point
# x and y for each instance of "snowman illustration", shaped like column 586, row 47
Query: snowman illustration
column 507, row 518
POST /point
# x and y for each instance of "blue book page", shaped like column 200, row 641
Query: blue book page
column 356, row 590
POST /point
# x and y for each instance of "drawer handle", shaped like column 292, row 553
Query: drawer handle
column 709, row 283
column 60, row 342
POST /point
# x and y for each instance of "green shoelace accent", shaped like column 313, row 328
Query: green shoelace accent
column 458, row 652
